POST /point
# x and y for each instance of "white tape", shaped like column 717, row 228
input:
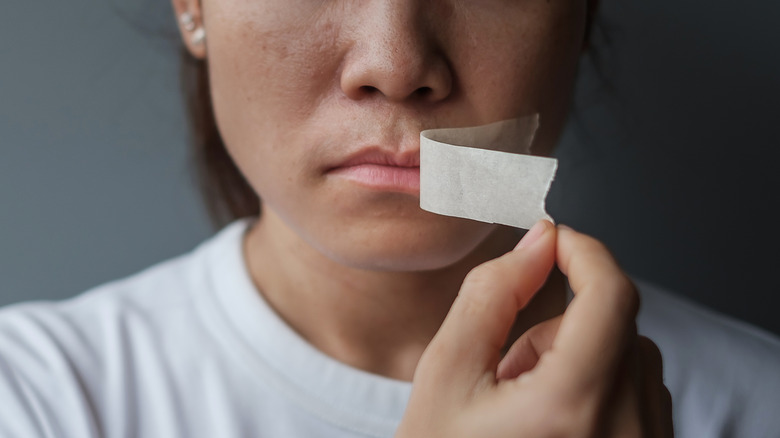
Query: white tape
column 480, row 173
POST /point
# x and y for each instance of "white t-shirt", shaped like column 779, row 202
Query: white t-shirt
column 188, row 348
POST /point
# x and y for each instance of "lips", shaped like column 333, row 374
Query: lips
column 377, row 169
column 383, row 158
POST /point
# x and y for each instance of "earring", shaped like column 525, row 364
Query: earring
column 187, row 21
column 198, row 36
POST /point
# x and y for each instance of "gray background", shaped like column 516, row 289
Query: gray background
column 672, row 160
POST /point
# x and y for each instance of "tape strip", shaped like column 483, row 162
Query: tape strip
column 481, row 173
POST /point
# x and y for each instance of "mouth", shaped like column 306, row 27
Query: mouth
column 380, row 170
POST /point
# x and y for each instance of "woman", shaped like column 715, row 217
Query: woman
column 313, row 318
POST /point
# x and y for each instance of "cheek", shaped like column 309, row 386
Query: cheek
column 268, row 69
column 272, row 73
column 527, row 65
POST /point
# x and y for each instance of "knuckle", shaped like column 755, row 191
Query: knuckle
column 604, row 276
column 650, row 352
column 624, row 294
column 616, row 291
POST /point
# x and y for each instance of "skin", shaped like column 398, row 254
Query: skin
column 298, row 87
column 582, row 374
column 365, row 275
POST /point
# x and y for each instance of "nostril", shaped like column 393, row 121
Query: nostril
column 421, row 94
column 424, row 92
column 368, row 90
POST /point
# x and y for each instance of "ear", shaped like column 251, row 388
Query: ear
column 593, row 6
column 190, row 21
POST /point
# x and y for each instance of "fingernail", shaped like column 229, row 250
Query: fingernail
column 565, row 227
column 532, row 235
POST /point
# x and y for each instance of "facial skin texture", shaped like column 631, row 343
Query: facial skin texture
column 298, row 86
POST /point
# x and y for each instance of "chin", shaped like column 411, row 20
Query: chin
column 409, row 248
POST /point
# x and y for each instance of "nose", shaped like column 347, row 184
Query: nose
column 395, row 56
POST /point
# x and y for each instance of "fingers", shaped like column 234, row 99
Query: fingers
column 525, row 351
column 599, row 323
column 584, row 373
column 467, row 347
column 641, row 404
column 623, row 415
column 657, row 401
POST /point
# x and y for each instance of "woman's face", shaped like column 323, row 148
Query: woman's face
column 321, row 103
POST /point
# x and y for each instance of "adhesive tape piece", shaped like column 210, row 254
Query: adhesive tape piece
column 483, row 173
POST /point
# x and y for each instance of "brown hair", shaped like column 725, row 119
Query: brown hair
column 225, row 191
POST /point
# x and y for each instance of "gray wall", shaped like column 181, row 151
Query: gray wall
column 678, row 172
column 94, row 178
column 674, row 166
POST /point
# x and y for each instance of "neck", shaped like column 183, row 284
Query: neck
column 377, row 321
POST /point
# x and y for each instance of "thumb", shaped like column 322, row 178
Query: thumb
column 467, row 347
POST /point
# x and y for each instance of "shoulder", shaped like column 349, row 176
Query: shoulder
column 64, row 365
column 57, row 358
column 723, row 373
column 157, row 295
column 86, row 317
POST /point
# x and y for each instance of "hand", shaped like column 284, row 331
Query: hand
column 585, row 373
